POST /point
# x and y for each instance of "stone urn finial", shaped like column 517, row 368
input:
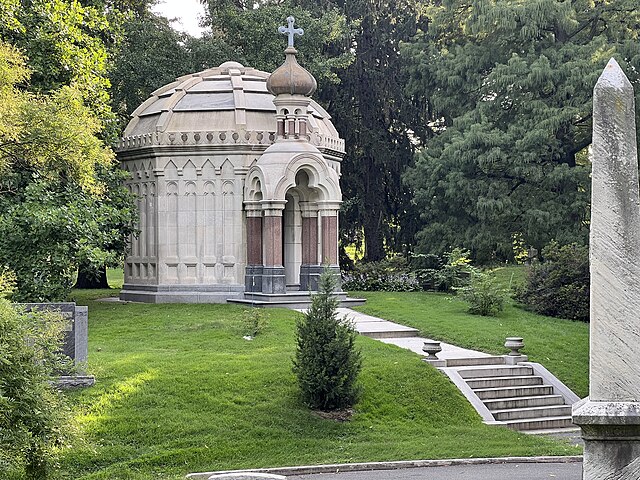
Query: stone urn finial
column 431, row 348
column 514, row 344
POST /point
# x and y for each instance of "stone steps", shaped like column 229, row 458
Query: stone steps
column 495, row 371
column 294, row 300
column 474, row 361
column 510, row 392
column 510, row 381
column 524, row 402
column 532, row 412
column 514, row 395
column 545, row 423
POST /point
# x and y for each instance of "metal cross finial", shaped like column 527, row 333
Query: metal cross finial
column 290, row 31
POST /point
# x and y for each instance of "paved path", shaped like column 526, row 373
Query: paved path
column 384, row 329
column 520, row 471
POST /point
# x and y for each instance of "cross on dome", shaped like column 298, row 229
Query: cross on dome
column 290, row 31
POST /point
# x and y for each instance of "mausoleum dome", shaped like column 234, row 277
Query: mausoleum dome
column 229, row 104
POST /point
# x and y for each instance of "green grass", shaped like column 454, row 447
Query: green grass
column 115, row 277
column 562, row 346
column 178, row 390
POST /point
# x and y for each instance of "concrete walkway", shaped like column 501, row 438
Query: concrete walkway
column 522, row 468
column 405, row 337
column 521, row 471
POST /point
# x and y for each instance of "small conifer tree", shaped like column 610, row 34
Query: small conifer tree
column 327, row 362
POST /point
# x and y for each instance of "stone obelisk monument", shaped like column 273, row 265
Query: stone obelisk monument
column 610, row 416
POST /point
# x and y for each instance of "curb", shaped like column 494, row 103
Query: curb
column 359, row 467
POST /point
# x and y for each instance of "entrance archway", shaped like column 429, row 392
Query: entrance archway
column 298, row 219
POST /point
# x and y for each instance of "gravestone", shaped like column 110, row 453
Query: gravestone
column 610, row 416
column 75, row 341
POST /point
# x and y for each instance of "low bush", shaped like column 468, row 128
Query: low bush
column 327, row 363
column 254, row 322
column 484, row 294
column 32, row 412
column 392, row 275
column 442, row 274
column 558, row 286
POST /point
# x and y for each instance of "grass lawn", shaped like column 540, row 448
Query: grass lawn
column 178, row 390
column 560, row 345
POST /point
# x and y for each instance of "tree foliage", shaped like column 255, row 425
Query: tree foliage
column 510, row 84
column 327, row 362
column 380, row 124
column 66, row 44
column 150, row 55
column 559, row 286
column 60, row 199
column 250, row 36
column 32, row 414
column 352, row 48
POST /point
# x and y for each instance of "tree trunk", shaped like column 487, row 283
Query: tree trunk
column 373, row 241
column 91, row 278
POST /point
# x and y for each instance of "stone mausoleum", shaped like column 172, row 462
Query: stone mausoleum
column 237, row 173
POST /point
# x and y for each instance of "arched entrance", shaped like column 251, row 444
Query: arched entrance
column 292, row 240
column 300, row 234
column 291, row 220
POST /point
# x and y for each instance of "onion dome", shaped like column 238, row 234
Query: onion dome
column 291, row 78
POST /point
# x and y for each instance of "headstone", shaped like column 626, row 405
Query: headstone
column 610, row 416
column 76, row 338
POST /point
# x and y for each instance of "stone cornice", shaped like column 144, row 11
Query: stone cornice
column 220, row 140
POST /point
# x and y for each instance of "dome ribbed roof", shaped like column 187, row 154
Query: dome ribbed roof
column 230, row 97
column 291, row 78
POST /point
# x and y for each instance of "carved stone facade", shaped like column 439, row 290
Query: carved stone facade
column 234, row 194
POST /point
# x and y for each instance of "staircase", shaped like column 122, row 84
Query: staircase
column 515, row 396
column 292, row 299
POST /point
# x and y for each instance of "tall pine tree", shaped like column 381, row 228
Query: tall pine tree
column 511, row 83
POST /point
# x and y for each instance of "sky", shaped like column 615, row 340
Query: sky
column 186, row 11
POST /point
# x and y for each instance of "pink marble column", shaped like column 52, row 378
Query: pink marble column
column 272, row 235
column 309, row 240
column 330, row 239
column 291, row 127
column 254, row 240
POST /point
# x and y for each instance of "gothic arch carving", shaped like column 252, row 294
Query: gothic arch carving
column 253, row 190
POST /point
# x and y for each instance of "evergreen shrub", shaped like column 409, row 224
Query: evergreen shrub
column 559, row 286
column 327, row 362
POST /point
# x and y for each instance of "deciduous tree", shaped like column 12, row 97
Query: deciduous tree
column 55, row 208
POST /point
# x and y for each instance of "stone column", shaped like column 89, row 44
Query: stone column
column 310, row 269
column 328, row 212
column 253, row 271
column 273, row 278
column 610, row 416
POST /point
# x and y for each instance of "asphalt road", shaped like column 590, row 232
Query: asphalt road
column 523, row 471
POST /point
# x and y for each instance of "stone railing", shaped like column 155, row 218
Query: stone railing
column 229, row 137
